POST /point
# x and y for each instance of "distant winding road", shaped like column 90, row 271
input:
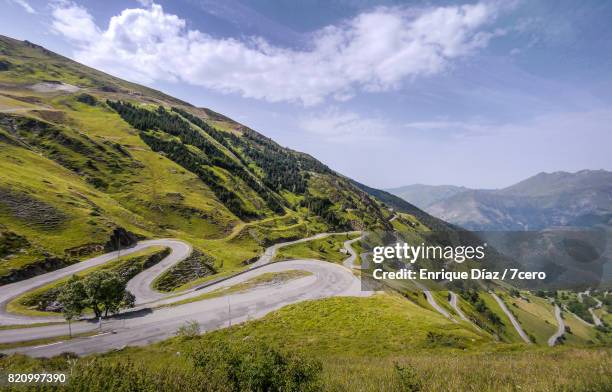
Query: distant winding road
column 560, row 327
column 510, row 316
column 596, row 319
column 432, row 301
column 350, row 261
column 453, row 300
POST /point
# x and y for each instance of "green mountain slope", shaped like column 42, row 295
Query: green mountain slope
column 83, row 153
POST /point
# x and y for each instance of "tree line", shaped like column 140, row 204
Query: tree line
column 323, row 207
column 283, row 168
column 172, row 124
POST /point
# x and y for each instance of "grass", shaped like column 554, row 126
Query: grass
column 530, row 370
column 33, row 325
column 268, row 278
column 63, row 191
column 536, row 316
column 321, row 249
column 580, row 333
column 355, row 325
column 359, row 341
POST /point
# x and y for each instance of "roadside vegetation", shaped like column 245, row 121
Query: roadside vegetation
column 336, row 344
column 266, row 279
column 330, row 249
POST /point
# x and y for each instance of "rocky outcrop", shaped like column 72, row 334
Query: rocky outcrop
column 121, row 238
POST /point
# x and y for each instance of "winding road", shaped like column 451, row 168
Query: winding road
column 453, row 300
column 156, row 318
column 270, row 252
column 596, row 319
column 510, row 316
column 349, row 262
column 432, row 301
column 179, row 249
column 560, row 327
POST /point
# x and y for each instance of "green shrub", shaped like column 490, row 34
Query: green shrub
column 254, row 366
column 190, row 329
column 407, row 378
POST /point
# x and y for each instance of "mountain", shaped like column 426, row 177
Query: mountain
column 423, row 196
column 89, row 162
column 545, row 200
column 87, row 157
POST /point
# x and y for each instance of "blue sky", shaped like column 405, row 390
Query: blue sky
column 481, row 94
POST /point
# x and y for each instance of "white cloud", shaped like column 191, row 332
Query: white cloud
column 345, row 127
column 75, row 23
column 451, row 129
column 25, row 5
column 375, row 51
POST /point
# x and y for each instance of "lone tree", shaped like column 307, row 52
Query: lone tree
column 105, row 292
column 72, row 298
column 102, row 291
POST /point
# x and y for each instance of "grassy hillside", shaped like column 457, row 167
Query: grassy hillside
column 84, row 153
column 329, row 249
column 382, row 343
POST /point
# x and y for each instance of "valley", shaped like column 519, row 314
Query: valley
column 224, row 238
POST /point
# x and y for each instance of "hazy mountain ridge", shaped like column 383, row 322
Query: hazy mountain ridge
column 423, row 196
column 545, row 200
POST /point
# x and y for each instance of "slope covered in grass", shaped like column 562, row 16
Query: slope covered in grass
column 329, row 248
column 87, row 153
column 381, row 343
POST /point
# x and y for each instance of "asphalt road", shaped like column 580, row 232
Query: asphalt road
column 146, row 326
column 432, row 301
column 515, row 323
column 10, row 291
column 596, row 320
column 155, row 318
column 270, row 252
column 349, row 262
column 560, row 327
column 455, row 306
column 140, row 285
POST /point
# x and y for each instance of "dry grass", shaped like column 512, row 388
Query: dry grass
column 545, row 370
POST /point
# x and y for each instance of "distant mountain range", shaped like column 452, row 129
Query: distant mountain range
column 423, row 196
column 545, row 200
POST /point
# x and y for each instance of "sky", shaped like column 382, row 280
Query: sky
column 390, row 93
